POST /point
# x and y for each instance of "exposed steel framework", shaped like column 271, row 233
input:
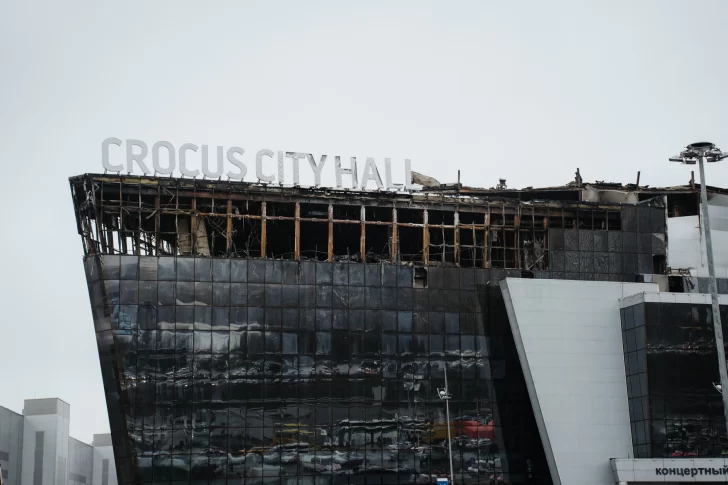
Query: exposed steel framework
column 170, row 216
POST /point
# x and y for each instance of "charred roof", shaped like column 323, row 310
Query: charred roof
column 445, row 226
column 447, row 194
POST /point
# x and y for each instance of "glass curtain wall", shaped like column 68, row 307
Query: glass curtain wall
column 253, row 371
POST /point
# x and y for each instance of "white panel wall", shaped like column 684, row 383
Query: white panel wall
column 66, row 461
column 102, row 453
column 568, row 335
column 80, row 463
column 11, row 445
column 55, row 447
column 686, row 246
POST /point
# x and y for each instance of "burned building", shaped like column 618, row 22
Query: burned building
column 264, row 334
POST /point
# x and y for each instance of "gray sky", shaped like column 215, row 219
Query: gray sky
column 526, row 91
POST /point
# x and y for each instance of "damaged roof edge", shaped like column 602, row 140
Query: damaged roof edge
column 445, row 193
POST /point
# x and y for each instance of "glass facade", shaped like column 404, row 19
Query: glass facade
column 257, row 371
column 672, row 366
column 292, row 335
column 636, row 247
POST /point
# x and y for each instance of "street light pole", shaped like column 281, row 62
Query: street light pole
column 445, row 396
column 718, row 328
column 449, row 439
column 701, row 152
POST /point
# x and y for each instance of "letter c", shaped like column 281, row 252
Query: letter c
column 105, row 155
column 182, row 160
column 259, row 166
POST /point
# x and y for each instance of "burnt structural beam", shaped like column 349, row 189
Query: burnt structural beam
column 193, row 228
column 395, row 236
column 425, row 238
column 486, row 248
column 263, row 230
column 456, row 234
column 363, row 236
column 97, row 222
column 297, row 233
column 139, row 223
column 330, row 244
column 121, row 235
column 157, row 221
column 229, row 227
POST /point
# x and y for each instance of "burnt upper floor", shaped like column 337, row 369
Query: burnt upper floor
column 441, row 226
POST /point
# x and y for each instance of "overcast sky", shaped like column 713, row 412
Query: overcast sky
column 525, row 91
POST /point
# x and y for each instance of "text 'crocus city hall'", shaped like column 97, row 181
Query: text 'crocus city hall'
column 259, row 334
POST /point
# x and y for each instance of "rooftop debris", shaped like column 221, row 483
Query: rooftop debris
column 424, row 180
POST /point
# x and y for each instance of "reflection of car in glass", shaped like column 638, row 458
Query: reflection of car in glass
column 390, row 455
column 236, row 462
column 324, row 368
column 286, row 454
column 268, row 369
column 256, row 468
column 238, row 371
column 134, row 379
column 422, row 478
column 348, row 459
column 402, row 445
column 175, row 466
column 676, row 454
column 367, row 367
column 389, row 369
column 471, row 433
column 481, row 466
column 320, row 463
column 414, row 370
column 213, row 461
column 433, row 452
column 388, row 475
column 182, row 372
column 298, row 447
column 305, row 367
column 289, row 372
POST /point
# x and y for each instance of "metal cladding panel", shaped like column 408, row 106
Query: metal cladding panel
column 687, row 244
column 568, row 336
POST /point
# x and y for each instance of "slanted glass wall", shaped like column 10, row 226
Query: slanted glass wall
column 253, row 371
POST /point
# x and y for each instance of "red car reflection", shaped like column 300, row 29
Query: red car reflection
column 477, row 430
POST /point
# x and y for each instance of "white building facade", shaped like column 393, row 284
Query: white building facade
column 602, row 413
column 36, row 449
